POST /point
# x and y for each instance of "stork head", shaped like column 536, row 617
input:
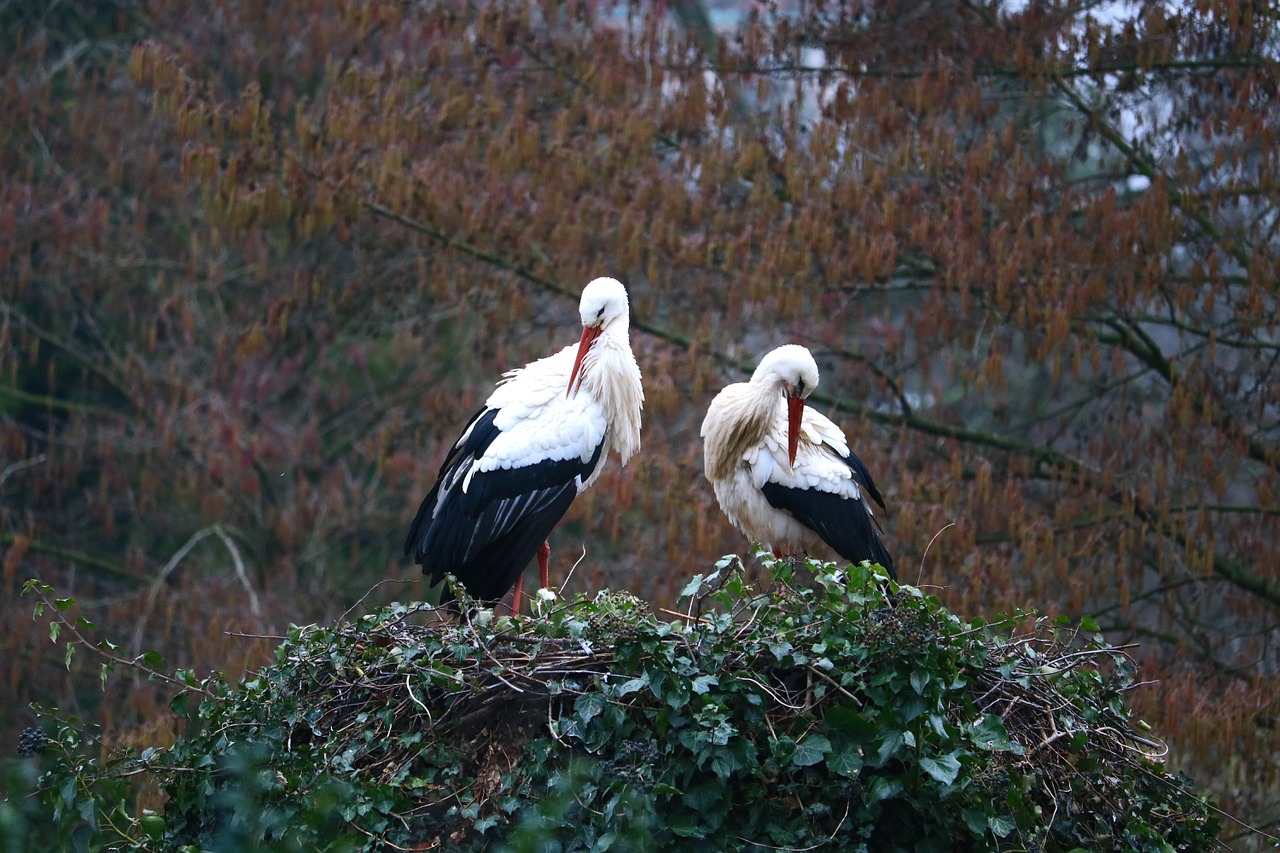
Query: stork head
column 792, row 369
column 603, row 304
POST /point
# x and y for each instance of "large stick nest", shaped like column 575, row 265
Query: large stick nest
column 464, row 713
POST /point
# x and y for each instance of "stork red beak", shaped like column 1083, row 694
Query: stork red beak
column 589, row 335
column 795, row 413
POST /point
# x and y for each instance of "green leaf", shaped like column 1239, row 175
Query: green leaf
column 64, row 603
column 588, row 705
column 55, row 628
column 811, row 750
column 889, row 747
column 692, row 587
column 975, row 820
column 845, row 762
column 633, row 685
column 726, row 561
column 703, row 683
column 1001, row 826
column 944, row 769
column 851, row 723
column 883, row 788
column 920, row 680
column 780, row 648
column 989, row 733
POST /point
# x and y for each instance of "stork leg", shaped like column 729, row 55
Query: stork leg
column 515, row 599
column 544, row 559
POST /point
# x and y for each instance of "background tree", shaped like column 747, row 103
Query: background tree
column 259, row 266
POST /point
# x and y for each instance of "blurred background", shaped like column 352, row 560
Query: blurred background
column 260, row 262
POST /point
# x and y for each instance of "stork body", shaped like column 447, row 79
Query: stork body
column 542, row 438
column 782, row 472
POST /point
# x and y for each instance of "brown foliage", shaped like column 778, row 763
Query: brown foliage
column 261, row 266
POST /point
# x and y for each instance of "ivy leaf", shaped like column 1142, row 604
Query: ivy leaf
column 920, row 680
column 883, row 789
column 703, row 683
column 1001, row 825
column 846, row 762
column 850, row 723
column 888, row 747
column 633, row 685
column 692, row 587
column 975, row 820
column 811, row 750
column 944, row 769
column 989, row 733
column 780, row 648
column 588, row 705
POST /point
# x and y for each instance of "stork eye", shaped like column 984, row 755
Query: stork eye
column 800, row 387
column 600, row 313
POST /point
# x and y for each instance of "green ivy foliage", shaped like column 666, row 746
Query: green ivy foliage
column 832, row 710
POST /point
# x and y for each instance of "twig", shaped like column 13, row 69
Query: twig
column 154, row 592
column 925, row 555
column 573, row 569
column 15, row 467
column 254, row 606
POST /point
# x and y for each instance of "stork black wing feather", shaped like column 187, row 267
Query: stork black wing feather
column 863, row 477
column 478, row 435
column 486, row 535
column 843, row 523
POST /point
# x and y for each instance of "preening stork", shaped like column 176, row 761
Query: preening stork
column 782, row 472
column 542, row 438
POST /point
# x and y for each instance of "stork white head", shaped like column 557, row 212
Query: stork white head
column 792, row 369
column 603, row 304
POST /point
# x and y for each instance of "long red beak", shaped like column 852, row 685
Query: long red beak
column 589, row 335
column 795, row 413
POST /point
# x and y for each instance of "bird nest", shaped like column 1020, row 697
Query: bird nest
column 839, row 701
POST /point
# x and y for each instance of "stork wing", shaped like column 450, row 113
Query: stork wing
column 826, row 490
column 501, row 490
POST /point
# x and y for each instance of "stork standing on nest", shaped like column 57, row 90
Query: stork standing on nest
column 782, row 472
column 541, row 439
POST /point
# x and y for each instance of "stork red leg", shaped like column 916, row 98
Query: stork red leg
column 515, row 599
column 544, row 559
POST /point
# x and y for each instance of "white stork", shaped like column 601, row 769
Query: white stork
column 542, row 438
column 782, row 472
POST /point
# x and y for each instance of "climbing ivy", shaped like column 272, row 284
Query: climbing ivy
column 831, row 709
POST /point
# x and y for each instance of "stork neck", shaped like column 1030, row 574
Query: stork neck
column 611, row 377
